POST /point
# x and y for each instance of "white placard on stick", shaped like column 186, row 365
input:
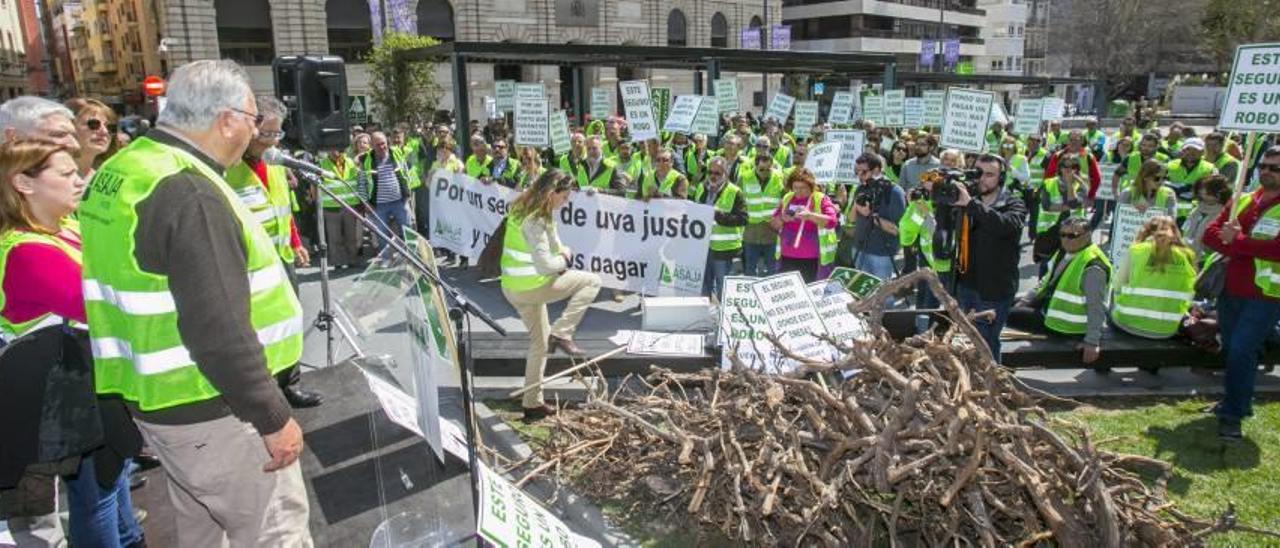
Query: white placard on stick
column 854, row 141
column 559, row 129
column 638, row 106
column 806, row 117
column 998, row 114
column 780, row 108
column 1052, row 109
column 1108, row 171
column 1125, row 227
column 841, row 108
column 726, row 90
column 654, row 343
column 788, row 305
column 490, row 107
column 832, row 301
column 873, row 109
column 967, row 115
column 601, row 103
column 1028, row 120
column 914, row 112
column 505, row 93
column 933, row 102
column 1253, row 92
column 895, row 104
column 743, row 327
column 707, row 122
column 824, row 161
column 532, row 116
column 683, row 111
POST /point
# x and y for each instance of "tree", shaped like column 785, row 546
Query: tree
column 1117, row 40
column 406, row 93
column 1229, row 23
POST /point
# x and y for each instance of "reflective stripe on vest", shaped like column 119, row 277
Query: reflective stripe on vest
column 518, row 272
column 344, row 187
column 1154, row 301
column 1181, row 180
column 1266, row 273
column 1067, row 312
column 601, row 180
column 726, row 238
column 269, row 204
column 761, row 202
column 914, row 227
column 11, row 240
column 1046, row 219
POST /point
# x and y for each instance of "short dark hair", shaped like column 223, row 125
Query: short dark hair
column 1271, row 152
column 1216, row 184
column 871, row 160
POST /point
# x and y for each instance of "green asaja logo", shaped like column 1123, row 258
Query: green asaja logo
column 676, row 275
column 447, row 231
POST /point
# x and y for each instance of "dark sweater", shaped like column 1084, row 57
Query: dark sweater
column 188, row 232
column 994, row 233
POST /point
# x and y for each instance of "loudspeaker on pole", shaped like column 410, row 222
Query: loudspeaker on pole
column 314, row 89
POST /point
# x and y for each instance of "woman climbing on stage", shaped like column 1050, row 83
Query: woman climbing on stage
column 535, row 271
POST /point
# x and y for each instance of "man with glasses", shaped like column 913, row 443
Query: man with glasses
column 1249, row 306
column 503, row 168
column 874, row 212
column 762, row 188
column 662, row 178
column 726, row 235
column 1071, row 300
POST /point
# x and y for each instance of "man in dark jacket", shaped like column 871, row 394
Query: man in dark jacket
column 988, row 281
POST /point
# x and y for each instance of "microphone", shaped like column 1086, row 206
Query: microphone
column 276, row 157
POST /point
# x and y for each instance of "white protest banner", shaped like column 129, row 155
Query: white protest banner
column 683, row 111
column 505, row 94
column 1125, row 227
column 1108, row 171
column 895, row 104
column 707, row 122
column 601, row 103
column 914, row 112
column 841, row 108
column 655, row 248
column 1052, row 108
column 998, row 114
column 653, row 343
column 509, row 517
column 806, row 117
column 933, row 102
column 532, row 116
column 832, row 301
column 873, row 109
column 787, row 304
column 824, row 161
column 559, row 129
column 638, row 106
column 1028, row 120
column 854, row 141
column 780, row 108
column 490, row 107
column 742, row 327
column 1253, row 93
column 726, row 90
column 968, row 113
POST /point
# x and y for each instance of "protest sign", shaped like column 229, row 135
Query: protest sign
column 559, row 129
column 914, row 112
column 998, row 114
column 726, row 90
column 682, row 114
column 968, row 113
column 655, row 248
column 841, row 108
column 424, row 367
column 653, row 343
column 661, row 104
column 742, row 327
column 780, row 108
column 637, row 104
column 1028, row 119
column 1108, row 171
column 505, row 94
column 895, row 108
column 854, row 141
column 873, row 109
column 1253, row 93
column 1125, row 227
column 509, row 517
column 824, row 161
column 788, row 306
column 601, row 103
column 1052, row 108
column 832, row 302
column 707, row 122
column 806, row 117
column 856, row 282
column 933, row 102
column 490, row 107
column 531, row 116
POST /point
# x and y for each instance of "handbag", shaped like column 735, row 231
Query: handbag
column 1212, row 278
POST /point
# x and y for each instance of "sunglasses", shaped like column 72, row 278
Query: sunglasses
column 95, row 124
column 1072, row 235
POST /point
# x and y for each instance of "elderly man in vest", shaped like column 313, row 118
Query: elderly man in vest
column 191, row 313
column 1072, row 298
column 1249, row 306
column 730, row 218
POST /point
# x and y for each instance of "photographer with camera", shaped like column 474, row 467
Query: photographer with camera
column 987, row 247
column 874, row 212
column 916, row 233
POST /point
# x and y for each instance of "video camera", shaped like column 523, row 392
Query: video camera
column 946, row 183
column 871, row 193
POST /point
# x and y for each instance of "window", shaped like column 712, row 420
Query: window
column 677, row 29
column 1017, row 63
column 1010, row 30
column 244, row 31
column 719, row 31
column 997, row 64
column 350, row 28
column 435, row 19
column 1008, row 62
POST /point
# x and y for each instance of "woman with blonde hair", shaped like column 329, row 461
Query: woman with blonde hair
column 1148, row 190
column 805, row 220
column 1155, row 283
column 536, row 270
column 54, row 423
column 95, row 127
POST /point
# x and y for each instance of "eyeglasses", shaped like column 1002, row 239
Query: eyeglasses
column 95, row 124
column 270, row 134
column 257, row 118
column 1274, row 168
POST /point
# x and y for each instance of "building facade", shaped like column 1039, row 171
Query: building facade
column 58, row 18
column 13, row 56
column 886, row 26
column 33, row 43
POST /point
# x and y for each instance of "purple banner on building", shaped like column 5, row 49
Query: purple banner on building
column 951, row 51
column 928, row 50
column 375, row 20
column 402, row 18
column 780, row 37
column 750, row 38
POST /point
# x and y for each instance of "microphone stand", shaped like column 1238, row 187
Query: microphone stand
column 460, row 307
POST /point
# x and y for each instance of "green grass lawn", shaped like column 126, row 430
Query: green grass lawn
column 1207, row 472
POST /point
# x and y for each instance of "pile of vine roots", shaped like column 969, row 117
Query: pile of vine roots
column 929, row 443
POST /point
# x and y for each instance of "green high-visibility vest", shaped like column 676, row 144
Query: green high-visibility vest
column 664, row 188
column 634, row 168
column 8, row 241
column 761, row 200
column 478, row 169
column 913, row 226
column 407, row 154
column 271, row 205
column 1181, row 180
column 693, row 167
column 1134, row 165
column 518, row 272
column 1046, row 219
column 1067, row 309
column 601, row 180
column 1225, row 160
column 344, row 187
column 827, row 239
column 1017, row 161
column 1266, row 274
column 1162, row 197
column 399, row 168
column 524, row 178
column 1155, row 300
column 1036, row 168
column 726, row 238
column 138, row 352
column 452, row 165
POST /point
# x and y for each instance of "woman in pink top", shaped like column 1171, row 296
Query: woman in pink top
column 801, row 215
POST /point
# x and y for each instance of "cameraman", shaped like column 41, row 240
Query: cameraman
column 987, row 278
column 876, row 208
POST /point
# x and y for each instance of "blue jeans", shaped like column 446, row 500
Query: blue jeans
column 990, row 330
column 101, row 517
column 713, row 277
column 393, row 211
column 880, row 266
column 1245, row 325
column 754, row 254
